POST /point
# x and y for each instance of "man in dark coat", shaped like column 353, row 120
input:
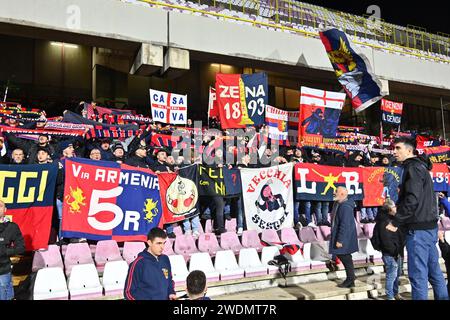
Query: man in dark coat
column 344, row 240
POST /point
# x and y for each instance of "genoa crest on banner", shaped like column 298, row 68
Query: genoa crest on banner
column 381, row 183
column 319, row 114
column 28, row 191
column 105, row 200
column 317, row 183
column 391, row 111
column 179, row 194
column 241, row 99
column 268, row 198
column 168, row 107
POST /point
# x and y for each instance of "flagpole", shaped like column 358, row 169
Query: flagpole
column 381, row 133
column 443, row 120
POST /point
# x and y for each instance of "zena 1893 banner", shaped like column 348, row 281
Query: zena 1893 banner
column 106, row 200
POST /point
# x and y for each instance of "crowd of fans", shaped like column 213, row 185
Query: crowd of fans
column 139, row 151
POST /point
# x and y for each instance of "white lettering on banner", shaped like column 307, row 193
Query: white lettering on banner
column 96, row 207
column 255, row 105
column 233, row 92
column 131, row 217
column 352, row 180
column 76, row 170
column 303, row 188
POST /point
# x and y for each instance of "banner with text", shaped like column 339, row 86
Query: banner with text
column 268, row 201
column 28, row 191
column 168, row 107
column 105, row 200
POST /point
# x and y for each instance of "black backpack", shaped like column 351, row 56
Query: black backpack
column 375, row 240
column 283, row 264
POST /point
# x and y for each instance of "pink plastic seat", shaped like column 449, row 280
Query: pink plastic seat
column 207, row 242
column 132, row 249
column 185, row 246
column 106, row 250
column 307, row 235
column 230, row 225
column 368, row 229
column 230, row 241
column 270, row 235
column 178, row 230
column 326, row 232
column 208, row 226
column 446, row 223
column 250, row 239
column 359, row 231
column 168, row 248
column 77, row 253
column 289, row 236
column 47, row 258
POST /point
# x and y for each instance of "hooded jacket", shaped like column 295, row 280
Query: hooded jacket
column 390, row 243
column 416, row 205
column 149, row 278
column 11, row 244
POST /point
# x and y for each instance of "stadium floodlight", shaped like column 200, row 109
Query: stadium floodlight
column 65, row 45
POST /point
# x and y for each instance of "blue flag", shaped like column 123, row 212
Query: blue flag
column 352, row 69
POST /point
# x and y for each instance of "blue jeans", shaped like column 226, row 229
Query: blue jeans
column 321, row 211
column 423, row 265
column 296, row 211
column 240, row 213
column 306, row 210
column 369, row 213
column 59, row 207
column 393, row 272
column 6, row 287
column 194, row 222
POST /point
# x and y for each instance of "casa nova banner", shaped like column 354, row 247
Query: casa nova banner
column 105, row 200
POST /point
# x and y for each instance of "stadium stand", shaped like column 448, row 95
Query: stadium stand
column 305, row 19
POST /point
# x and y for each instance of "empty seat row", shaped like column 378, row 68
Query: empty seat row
column 83, row 282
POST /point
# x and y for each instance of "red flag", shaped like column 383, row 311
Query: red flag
column 213, row 109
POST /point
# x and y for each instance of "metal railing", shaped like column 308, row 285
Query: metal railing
column 288, row 15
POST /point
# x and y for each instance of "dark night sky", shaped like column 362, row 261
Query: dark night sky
column 431, row 14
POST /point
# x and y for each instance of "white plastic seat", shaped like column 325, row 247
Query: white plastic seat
column 226, row 264
column 309, row 254
column 202, row 261
column 179, row 269
column 50, row 284
column 114, row 276
column 267, row 254
column 249, row 261
column 84, row 282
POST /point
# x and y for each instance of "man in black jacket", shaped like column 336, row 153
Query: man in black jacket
column 11, row 244
column 391, row 244
column 138, row 159
column 417, row 215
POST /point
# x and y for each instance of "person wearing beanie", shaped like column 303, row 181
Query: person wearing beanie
column 118, row 152
column 138, row 158
column 42, row 156
column 105, row 151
